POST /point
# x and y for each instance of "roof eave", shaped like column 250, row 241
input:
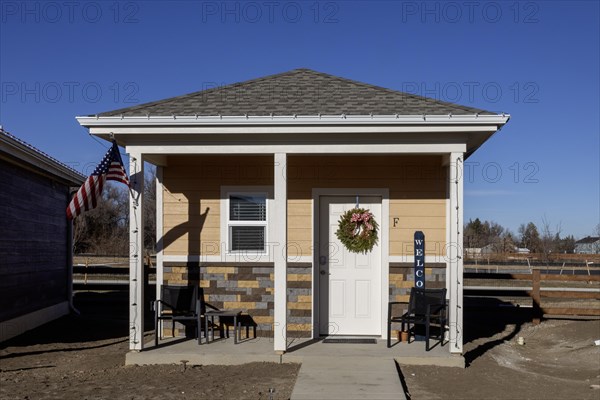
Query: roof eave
column 197, row 120
column 19, row 151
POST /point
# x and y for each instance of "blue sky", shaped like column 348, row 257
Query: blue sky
column 536, row 60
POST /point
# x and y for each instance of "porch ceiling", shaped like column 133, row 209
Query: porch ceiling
column 300, row 140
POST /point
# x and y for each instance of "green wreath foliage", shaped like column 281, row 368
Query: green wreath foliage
column 358, row 230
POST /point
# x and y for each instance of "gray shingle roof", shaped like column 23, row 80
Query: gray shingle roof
column 588, row 239
column 297, row 92
column 19, row 149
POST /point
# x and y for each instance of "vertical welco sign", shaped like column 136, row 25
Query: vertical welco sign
column 419, row 259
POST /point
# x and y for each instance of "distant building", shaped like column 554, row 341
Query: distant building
column 473, row 251
column 35, row 239
column 495, row 248
column 491, row 248
column 588, row 245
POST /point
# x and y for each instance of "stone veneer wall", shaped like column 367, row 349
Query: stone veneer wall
column 249, row 287
column 299, row 297
column 402, row 278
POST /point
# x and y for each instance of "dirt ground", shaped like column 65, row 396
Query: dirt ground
column 83, row 358
column 559, row 360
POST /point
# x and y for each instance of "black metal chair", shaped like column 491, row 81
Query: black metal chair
column 425, row 307
column 184, row 304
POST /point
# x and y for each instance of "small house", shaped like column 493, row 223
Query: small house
column 253, row 177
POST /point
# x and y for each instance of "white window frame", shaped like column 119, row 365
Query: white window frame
column 226, row 192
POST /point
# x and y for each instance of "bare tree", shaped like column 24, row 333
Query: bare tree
column 104, row 230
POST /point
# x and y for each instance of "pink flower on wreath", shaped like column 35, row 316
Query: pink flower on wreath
column 356, row 217
column 366, row 216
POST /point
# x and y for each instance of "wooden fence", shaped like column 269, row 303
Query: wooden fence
column 98, row 275
column 533, row 258
column 544, row 286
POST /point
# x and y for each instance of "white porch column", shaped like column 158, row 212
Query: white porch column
column 455, row 252
column 279, row 219
column 136, row 252
column 159, row 229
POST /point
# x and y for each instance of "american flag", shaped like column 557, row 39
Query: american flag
column 110, row 169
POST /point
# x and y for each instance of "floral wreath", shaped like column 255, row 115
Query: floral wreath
column 357, row 230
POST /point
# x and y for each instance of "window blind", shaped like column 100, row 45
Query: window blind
column 247, row 208
column 247, row 238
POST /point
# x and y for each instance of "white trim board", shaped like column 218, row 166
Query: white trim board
column 236, row 258
column 266, row 148
column 224, row 228
column 21, row 324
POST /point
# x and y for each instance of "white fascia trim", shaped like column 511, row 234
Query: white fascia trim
column 161, row 131
column 448, row 119
column 301, row 149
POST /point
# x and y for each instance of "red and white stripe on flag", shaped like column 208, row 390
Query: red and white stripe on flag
column 110, row 169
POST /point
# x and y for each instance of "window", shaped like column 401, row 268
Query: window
column 247, row 222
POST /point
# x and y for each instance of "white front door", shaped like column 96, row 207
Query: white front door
column 350, row 283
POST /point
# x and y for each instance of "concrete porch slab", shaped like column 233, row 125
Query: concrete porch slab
column 224, row 352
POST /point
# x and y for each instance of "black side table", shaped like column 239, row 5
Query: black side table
column 221, row 313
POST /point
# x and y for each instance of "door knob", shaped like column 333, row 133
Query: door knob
column 323, row 272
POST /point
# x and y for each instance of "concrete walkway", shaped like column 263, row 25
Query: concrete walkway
column 348, row 378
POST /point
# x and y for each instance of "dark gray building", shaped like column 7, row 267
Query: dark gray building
column 35, row 236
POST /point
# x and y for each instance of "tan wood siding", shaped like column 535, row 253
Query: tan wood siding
column 417, row 187
column 192, row 198
column 192, row 191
